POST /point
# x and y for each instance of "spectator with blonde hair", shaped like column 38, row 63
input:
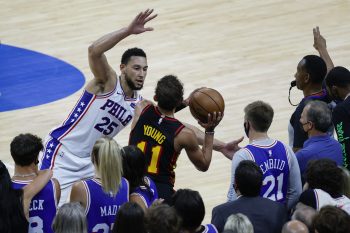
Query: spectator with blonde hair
column 70, row 218
column 239, row 223
column 103, row 195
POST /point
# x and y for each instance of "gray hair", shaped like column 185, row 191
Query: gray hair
column 239, row 223
column 70, row 218
column 320, row 114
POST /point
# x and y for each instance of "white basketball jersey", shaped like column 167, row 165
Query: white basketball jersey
column 93, row 117
column 323, row 198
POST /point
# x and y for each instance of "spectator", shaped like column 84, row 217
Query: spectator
column 346, row 182
column 331, row 219
column 304, row 214
column 239, row 223
column 162, row 218
column 265, row 215
column 70, row 218
column 294, row 226
column 130, row 219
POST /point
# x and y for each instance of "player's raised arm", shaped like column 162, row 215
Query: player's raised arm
column 104, row 75
column 321, row 46
column 201, row 158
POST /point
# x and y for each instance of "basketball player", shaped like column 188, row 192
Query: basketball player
column 105, row 108
column 281, row 175
column 25, row 149
column 162, row 137
column 103, row 195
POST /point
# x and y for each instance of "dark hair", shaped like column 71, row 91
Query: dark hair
column 11, row 206
column 25, row 149
column 169, row 92
column 162, row 218
column 260, row 115
column 331, row 219
column 132, row 52
column 190, row 207
column 129, row 219
column 320, row 115
column 134, row 167
column 338, row 76
column 326, row 175
column 248, row 178
column 315, row 67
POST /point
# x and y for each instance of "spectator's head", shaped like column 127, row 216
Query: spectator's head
column 134, row 166
column 248, row 178
column 169, row 92
column 294, row 226
column 338, row 82
column 311, row 71
column 70, row 218
column 316, row 117
column 305, row 214
column 258, row 115
column 129, row 219
column 326, row 175
column 25, row 149
column 190, row 207
column 162, row 218
column 331, row 219
column 107, row 159
column 239, row 223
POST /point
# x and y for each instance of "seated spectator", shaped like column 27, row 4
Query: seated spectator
column 162, row 218
column 331, row 219
column 190, row 207
column 25, row 149
column 265, row 215
column 294, row 226
column 304, row 214
column 324, row 179
column 238, row 223
column 316, row 119
column 15, row 203
column 70, row 218
column 130, row 219
column 103, row 195
column 143, row 191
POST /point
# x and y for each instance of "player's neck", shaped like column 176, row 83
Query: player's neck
column 166, row 113
column 254, row 136
column 26, row 172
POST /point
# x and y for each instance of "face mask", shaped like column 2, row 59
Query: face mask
column 246, row 128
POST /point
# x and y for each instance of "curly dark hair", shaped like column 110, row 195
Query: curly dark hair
column 169, row 92
column 132, row 52
column 331, row 219
column 25, row 149
column 326, row 175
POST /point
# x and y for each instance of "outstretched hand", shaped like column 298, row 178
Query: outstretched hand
column 319, row 40
column 213, row 120
column 230, row 148
column 137, row 26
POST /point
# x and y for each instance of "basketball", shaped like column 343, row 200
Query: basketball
column 204, row 101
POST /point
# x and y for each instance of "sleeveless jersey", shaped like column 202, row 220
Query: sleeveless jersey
column 92, row 117
column 209, row 228
column 323, row 199
column 148, row 196
column 101, row 208
column 154, row 134
column 42, row 209
column 273, row 161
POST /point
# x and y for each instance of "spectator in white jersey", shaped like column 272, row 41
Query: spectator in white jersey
column 281, row 175
column 105, row 108
column 25, row 149
column 103, row 195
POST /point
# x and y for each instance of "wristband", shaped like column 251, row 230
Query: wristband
column 210, row 132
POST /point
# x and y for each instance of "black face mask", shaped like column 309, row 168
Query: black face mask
column 246, row 128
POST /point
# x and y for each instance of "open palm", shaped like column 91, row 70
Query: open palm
column 137, row 26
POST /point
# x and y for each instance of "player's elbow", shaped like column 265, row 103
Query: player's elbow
column 93, row 51
column 203, row 167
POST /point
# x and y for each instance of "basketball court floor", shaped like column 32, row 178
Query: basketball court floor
column 248, row 50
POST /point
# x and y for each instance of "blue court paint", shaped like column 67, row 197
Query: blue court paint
column 29, row 78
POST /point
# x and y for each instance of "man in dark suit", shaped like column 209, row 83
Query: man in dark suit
column 266, row 216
